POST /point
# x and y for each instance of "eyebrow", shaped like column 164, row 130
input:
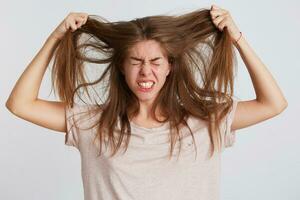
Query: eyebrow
column 135, row 58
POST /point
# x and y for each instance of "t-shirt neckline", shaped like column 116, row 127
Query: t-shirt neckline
column 164, row 126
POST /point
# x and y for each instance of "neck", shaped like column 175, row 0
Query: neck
column 145, row 113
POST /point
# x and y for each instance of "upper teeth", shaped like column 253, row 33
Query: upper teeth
column 146, row 84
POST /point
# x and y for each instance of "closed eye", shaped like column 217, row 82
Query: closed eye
column 140, row 63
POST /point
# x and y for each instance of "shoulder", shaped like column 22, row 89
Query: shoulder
column 83, row 113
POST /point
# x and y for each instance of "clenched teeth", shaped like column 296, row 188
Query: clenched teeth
column 146, row 84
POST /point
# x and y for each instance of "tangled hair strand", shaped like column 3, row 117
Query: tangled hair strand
column 193, row 45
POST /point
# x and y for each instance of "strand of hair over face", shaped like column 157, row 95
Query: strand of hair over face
column 200, row 82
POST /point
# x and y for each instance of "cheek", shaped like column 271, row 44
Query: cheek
column 162, row 73
column 161, row 79
column 131, row 76
column 162, row 70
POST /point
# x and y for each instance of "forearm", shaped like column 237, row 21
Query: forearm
column 266, row 89
column 27, row 86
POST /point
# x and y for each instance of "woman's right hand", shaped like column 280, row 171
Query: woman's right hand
column 73, row 21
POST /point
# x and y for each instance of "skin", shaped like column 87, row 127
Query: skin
column 269, row 100
column 146, row 60
column 24, row 102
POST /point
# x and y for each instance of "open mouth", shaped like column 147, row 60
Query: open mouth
column 146, row 86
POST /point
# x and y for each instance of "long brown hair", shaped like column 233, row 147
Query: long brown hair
column 194, row 46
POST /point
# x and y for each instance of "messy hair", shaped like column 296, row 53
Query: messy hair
column 200, row 82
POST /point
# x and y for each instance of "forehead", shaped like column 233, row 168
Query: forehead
column 147, row 49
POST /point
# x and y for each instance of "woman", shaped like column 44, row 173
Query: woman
column 153, row 100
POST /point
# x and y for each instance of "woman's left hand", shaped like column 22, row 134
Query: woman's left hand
column 222, row 18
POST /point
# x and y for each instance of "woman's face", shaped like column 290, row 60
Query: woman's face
column 146, row 64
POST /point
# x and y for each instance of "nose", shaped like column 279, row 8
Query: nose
column 146, row 69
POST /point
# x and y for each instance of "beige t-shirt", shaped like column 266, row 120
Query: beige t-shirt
column 144, row 171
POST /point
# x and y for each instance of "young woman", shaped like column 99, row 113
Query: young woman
column 155, row 103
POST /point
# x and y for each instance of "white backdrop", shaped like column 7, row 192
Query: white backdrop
column 264, row 163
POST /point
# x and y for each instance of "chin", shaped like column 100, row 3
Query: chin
column 145, row 97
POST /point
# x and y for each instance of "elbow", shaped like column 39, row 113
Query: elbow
column 11, row 106
column 16, row 107
column 280, row 108
column 8, row 104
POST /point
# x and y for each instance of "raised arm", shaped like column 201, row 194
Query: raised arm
column 23, row 100
column 269, row 99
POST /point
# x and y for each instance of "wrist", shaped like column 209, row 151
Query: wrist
column 240, row 42
column 237, row 38
column 53, row 40
column 53, row 37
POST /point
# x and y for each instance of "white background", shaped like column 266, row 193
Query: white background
column 264, row 163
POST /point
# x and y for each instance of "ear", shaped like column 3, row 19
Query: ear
column 169, row 69
column 168, row 72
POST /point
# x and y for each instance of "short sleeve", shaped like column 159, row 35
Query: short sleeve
column 75, row 117
column 227, row 133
